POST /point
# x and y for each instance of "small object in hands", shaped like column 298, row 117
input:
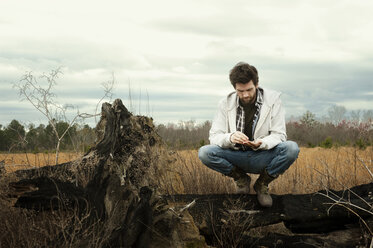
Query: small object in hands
column 253, row 144
column 248, row 143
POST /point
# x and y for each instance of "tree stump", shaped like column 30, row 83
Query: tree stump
column 116, row 180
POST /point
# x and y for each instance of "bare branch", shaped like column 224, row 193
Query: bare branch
column 366, row 167
column 40, row 95
column 108, row 93
column 344, row 186
column 346, row 205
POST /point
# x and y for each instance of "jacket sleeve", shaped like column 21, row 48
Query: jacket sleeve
column 277, row 130
column 219, row 134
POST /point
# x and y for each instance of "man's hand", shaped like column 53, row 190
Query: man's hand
column 239, row 138
column 253, row 144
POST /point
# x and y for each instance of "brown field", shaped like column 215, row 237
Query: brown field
column 18, row 161
column 315, row 169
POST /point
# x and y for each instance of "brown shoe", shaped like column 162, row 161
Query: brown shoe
column 261, row 189
column 241, row 179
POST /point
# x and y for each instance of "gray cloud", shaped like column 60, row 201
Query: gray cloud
column 76, row 54
column 219, row 25
column 315, row 53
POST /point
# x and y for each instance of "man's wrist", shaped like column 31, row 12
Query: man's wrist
column 260, row 146
column 230, row 138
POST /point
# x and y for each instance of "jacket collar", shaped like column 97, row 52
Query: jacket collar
column 269, row 96
column 233, row 99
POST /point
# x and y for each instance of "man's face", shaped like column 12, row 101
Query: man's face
column 246, row 92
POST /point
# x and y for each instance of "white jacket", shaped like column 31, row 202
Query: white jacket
column 270, row 129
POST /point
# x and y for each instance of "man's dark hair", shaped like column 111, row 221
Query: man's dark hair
column 243, row 73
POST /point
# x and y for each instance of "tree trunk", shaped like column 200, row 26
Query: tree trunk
column 57, row 150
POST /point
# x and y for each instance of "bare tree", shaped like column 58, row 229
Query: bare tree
column 337, row 113
column 356, row 116
column 368, row 116
column 39, row 92
column 108, row 92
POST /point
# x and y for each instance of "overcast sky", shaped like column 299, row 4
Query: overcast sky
column 175, row 56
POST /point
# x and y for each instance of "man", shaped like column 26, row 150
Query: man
column 248, row 135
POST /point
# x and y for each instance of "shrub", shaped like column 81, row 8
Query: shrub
column 327, row 143
column 360, row 144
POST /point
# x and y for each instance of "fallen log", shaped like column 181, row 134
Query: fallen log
column 303, row 213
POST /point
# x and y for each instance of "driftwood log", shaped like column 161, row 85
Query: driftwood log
column 117, row 180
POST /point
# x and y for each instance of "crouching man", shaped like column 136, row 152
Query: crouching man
column 248, row 135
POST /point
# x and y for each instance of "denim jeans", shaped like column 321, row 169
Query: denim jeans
column 276, row 160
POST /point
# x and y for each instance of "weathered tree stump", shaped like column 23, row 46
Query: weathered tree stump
column 117, row 181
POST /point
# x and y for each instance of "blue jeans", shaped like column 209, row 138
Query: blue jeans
column 276, row 161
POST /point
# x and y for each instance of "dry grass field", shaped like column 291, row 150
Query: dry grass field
column 315, row 169
column 18, row 161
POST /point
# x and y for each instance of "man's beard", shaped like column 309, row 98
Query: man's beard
column 248, row 100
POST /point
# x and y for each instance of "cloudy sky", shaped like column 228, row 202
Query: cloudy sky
column 174, row 56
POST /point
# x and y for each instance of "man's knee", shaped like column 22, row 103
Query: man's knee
column 203, row 154
column 292, row 150
column 209, row 156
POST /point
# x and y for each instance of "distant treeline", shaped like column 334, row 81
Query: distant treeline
column 15, row 138
column 306, row 132
column 184, row 135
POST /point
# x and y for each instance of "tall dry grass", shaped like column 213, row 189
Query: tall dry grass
column 315, row 169
column 63, row 226
column 18, row 161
